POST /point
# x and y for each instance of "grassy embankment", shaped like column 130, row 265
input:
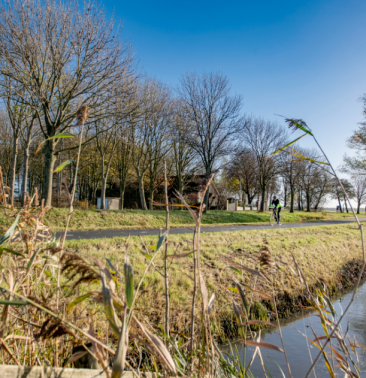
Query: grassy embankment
column 329, row 253
column 130, row 219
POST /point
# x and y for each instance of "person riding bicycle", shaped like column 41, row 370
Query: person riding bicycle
column 276, row 205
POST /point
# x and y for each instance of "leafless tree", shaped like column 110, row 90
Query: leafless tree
column 183, row 155
column 106, row 146
column 338, row 192
column 123, row 158
column 315, row 181
column 214, row 116
column 244, row 167
column 150, row 135
column 61, row 56
column 29, row 132
column 264, row 138
column 291, row 173
column 6, row 145
column 359, row 184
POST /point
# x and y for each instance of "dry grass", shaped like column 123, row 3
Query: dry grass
column 138, row 219
column 323, row 253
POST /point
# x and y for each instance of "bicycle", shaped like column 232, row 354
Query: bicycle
column 273, row 218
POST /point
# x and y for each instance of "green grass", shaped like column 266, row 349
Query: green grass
column 129, row 219
column 327, row 253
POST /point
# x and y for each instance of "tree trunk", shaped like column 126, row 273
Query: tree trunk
column 48, row 172
column 307, row 202
column 180, row 187
column 292, row 195
column 25, row 173
column 13, row 166
column 122, row 196
column 345, row 202
column 102, row 194
column 59, row 174
column 340, row 206
column 358, row 207
column 151, row 197
column 263, row 187
column 140, row 179
column 285, row 201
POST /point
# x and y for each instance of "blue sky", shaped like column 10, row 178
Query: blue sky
column 303, row 59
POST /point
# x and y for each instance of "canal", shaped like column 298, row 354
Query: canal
column 299, row 350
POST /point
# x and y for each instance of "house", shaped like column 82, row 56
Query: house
column 192, row 190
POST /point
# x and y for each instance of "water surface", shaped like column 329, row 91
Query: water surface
column 299, row 351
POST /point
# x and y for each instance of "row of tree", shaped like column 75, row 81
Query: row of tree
column 59, row 57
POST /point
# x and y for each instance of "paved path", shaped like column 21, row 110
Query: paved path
column 99, row 234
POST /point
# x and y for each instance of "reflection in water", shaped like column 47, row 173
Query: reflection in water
column 299, row 351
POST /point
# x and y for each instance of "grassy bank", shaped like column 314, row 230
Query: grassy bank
column 130, row 219
column 330, row 254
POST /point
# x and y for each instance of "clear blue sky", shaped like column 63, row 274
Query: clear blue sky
column 303, row 59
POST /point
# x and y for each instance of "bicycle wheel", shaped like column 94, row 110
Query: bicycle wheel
column 272, row 219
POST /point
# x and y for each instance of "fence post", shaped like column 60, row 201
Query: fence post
column 236, row 205
column 227, row 205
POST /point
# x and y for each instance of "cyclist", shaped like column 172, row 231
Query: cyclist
column 276, row 204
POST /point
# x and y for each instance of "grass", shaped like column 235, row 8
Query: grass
column 327, row 253
column 139, row 219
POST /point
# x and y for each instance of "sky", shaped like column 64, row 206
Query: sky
column 300, row 59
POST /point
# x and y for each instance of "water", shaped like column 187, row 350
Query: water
column 299, row 349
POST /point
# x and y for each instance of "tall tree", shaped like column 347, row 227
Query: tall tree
column 123, row 158
column 359, row 184
column 183, row 155
column 338, row 192
column 214, row 116
column 291, row 173
column 264, row 138
column 62, row 55
column 106, row 146
column 149, row 134
column 244, row 166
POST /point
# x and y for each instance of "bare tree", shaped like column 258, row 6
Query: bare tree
column 20, row 116
column 183, row 155
column 264, row 138
column 315, row 181
column 6, row 145
column 214, row 116
column 244, row 167
column 359, row 184
column 61, row 56
column 338, row 192
column 123, row 158
column 291, row 173
column 149, row 134
column 106, row 146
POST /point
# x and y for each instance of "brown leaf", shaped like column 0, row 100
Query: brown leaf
column 179, row 256
column 204, row 293
column 159, row 346
column 76, row 356
column 252, row 271
column 262, row 344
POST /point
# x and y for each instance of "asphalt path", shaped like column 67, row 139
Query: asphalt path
column 100, row 234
